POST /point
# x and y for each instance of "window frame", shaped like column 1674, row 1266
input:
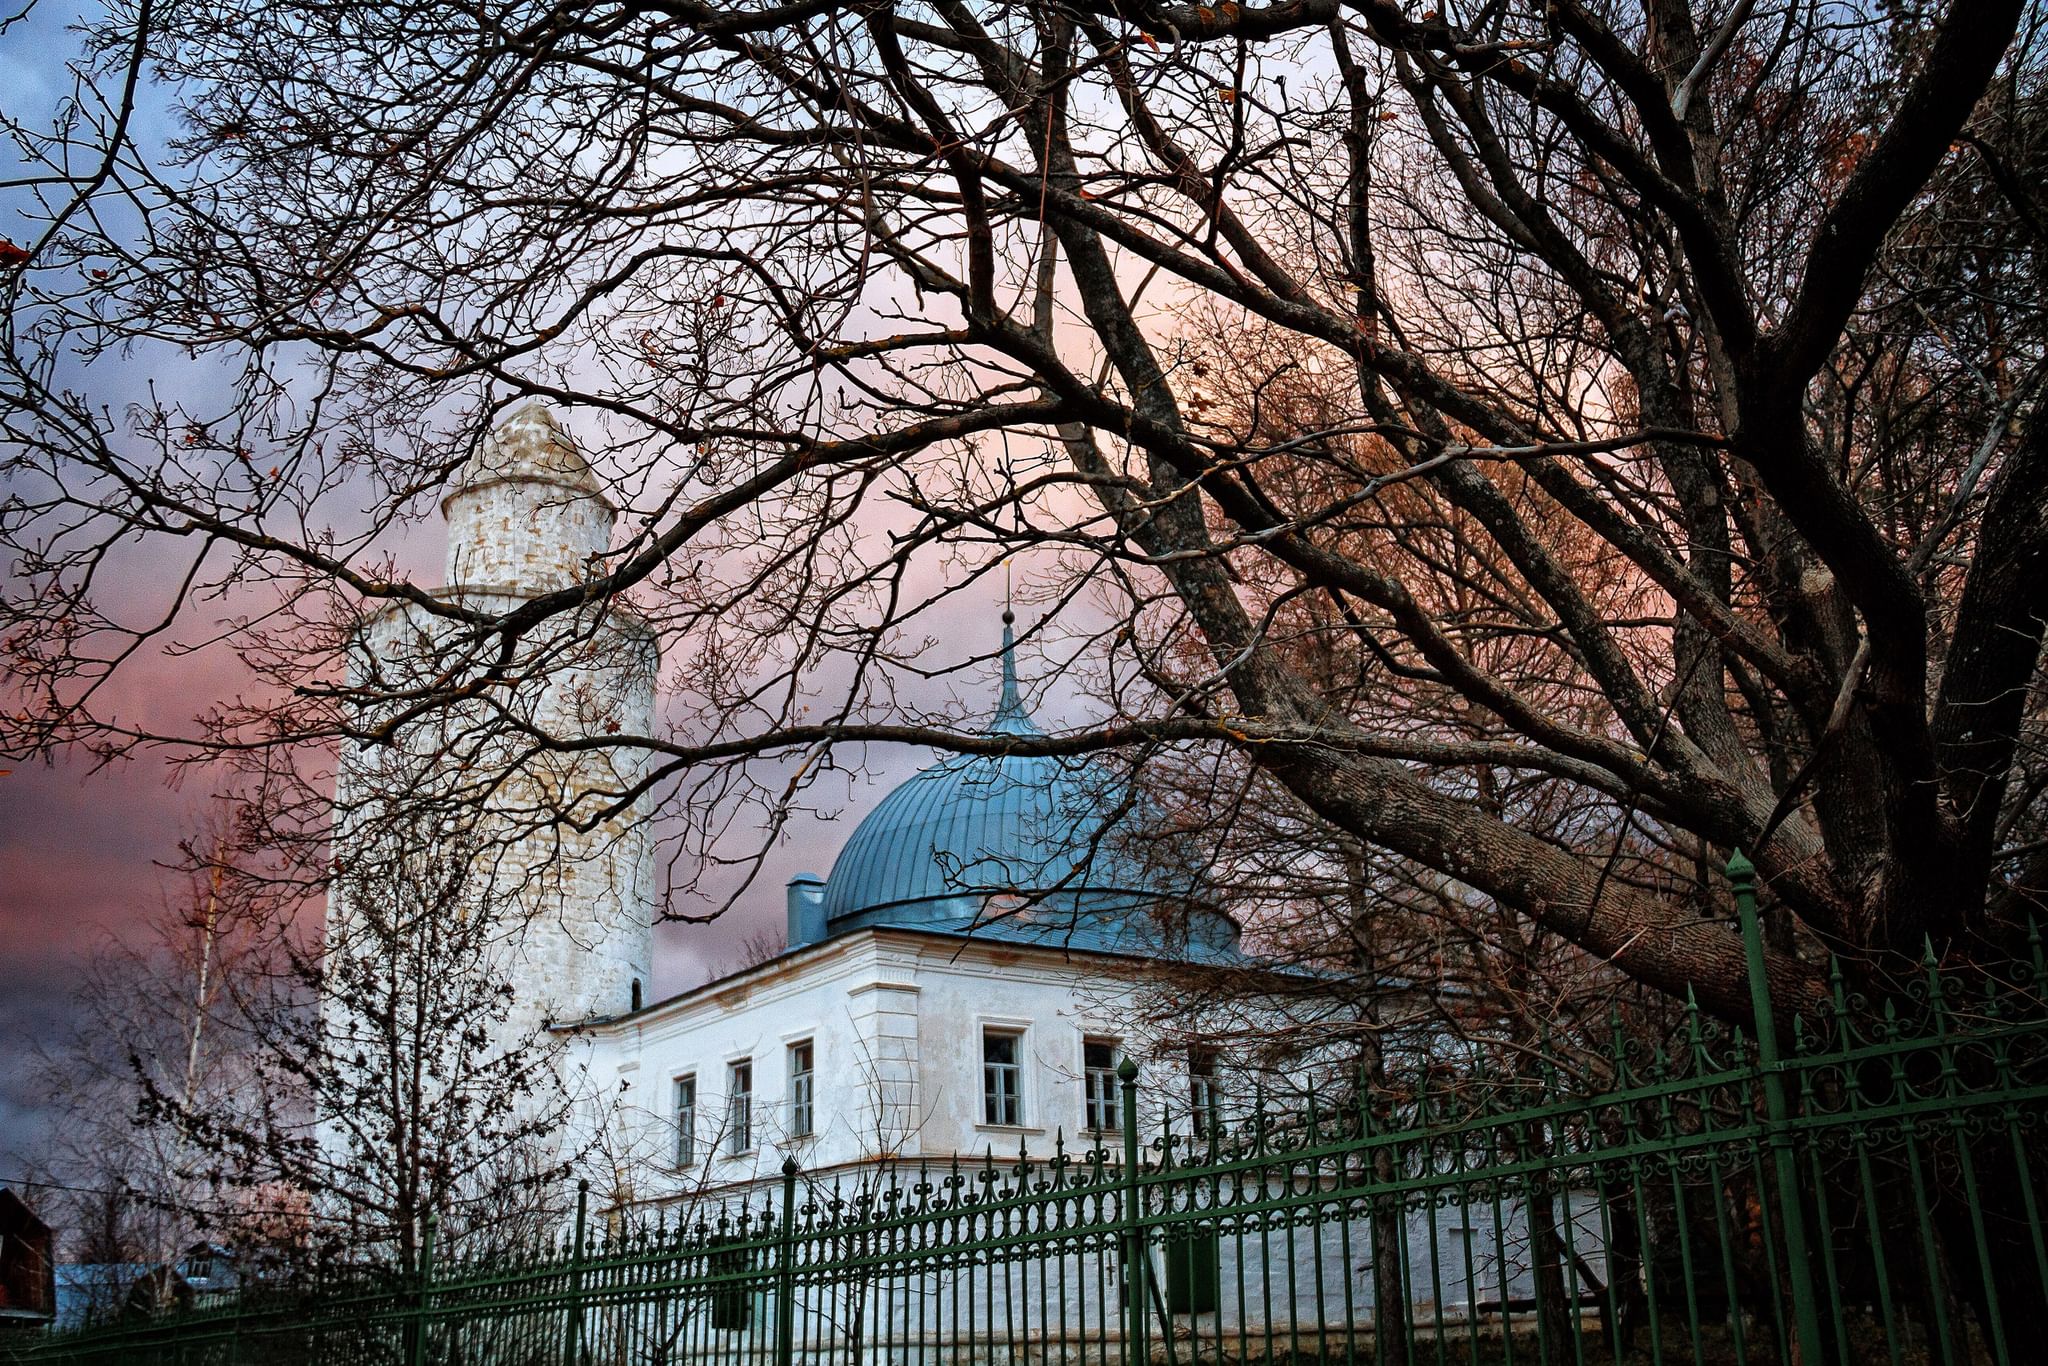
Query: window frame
column 1193, row 1260
column 803, row 1088
column 683, row 1090
column 739, row 1107
column 1205, row 1091
column 991, row 1093
column 1101, row 1093
column 732, row 1302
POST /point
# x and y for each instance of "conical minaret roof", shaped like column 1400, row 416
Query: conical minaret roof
column 529, row 446
column 527, row 514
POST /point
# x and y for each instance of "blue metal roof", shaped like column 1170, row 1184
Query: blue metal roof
column 1011, row 847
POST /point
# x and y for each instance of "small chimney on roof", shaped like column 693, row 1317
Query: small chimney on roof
column 806, row 909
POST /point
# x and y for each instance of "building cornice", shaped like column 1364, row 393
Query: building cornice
column 791, row 963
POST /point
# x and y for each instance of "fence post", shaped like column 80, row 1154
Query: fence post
column 572, row 1341
column 418, row 1355
column 785, row 1269
column 1777, row 1115
column 1137, row 1259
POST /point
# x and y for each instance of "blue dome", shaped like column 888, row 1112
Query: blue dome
column 1007, row 846
column 974, row 826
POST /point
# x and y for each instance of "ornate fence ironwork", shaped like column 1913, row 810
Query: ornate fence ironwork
column 1865, row 1190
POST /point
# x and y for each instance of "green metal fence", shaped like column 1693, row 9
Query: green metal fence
column 1863, row 1191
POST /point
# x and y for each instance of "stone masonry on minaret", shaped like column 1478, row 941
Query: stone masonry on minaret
column 528, row 516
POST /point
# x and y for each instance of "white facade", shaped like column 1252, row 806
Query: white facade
column 893, row 1022
column 896, row 1021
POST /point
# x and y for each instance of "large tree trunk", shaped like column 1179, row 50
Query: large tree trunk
column 1556, row 1322
column 1392, row 1308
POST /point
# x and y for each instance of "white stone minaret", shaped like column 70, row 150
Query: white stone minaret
column 528, row 516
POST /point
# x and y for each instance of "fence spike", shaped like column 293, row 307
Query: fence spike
column 1937, row 998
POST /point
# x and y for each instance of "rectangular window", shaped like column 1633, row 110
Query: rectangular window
column 1205, row 1099
column 732, row 1289
column 739, row 1106
column 1098, row 1065
column 686, row 1120
column 1194, row 1271
column 801, row 1116
column 1002, row 1098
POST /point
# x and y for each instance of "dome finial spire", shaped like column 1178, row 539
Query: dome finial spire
column 1010, row 714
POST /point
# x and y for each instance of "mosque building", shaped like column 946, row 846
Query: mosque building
column 964, row 982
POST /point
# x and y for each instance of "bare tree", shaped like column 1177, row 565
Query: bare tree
column 1674, row 445
column 153, row 1015
column 372, row 1074
column 755, row 948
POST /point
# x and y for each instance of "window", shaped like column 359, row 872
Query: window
column 739, row 1106
column 1205, row 1099
column 686, row 1120
column 732, row 1288
column 1098, row 1066
column 801, row 1114
column 1194, row 1271
column 1002, row 1097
